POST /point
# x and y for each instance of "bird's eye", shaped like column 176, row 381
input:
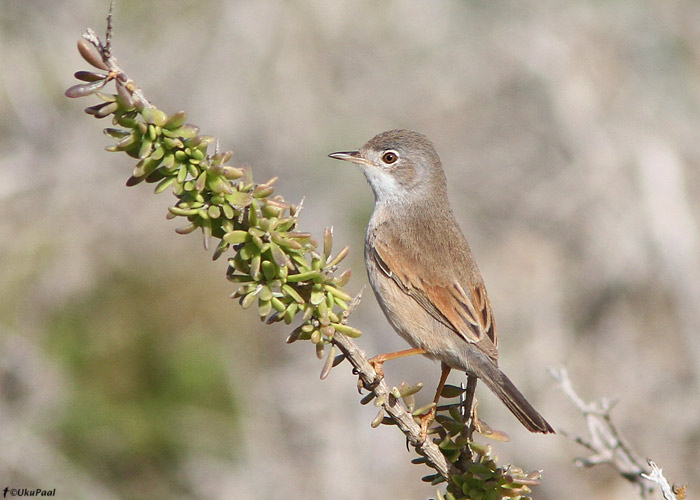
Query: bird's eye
column 390, row 157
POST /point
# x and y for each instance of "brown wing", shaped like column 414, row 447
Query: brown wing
column 467, row 312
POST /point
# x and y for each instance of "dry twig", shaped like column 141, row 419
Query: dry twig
column 607, row 444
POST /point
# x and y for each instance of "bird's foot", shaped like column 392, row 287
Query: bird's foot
column 425, row 421
column 377, row 363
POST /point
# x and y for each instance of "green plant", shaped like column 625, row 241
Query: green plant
column 280, row 270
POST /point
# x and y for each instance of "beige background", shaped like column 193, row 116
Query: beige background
column 569, row 135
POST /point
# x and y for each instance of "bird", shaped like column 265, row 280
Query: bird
column 423, row 272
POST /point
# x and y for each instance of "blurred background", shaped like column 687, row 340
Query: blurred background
column 569, row 136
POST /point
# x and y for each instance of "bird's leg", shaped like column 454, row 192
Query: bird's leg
column 378, row 360
column 427, row 419
column 469, row 404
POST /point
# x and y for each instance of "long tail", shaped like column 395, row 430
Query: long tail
column 506, row 391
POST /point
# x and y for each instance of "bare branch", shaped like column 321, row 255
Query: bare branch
column 393, row 406
column 606, row 443
column 656, row 475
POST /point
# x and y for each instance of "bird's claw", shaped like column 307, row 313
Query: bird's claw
column 425, row 421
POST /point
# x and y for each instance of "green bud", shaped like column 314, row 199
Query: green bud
column 239, row 199
column 154, row 116
column 164, row 184
column 187, row 131
column 338, row 258
column 264, row 308
column 255, row 272
column 378, row 419
column 249, row 250
column 263, row 191
column 269, row 270
column 278, row 305
column 337, row 292
column 214, row 212
column 347, row 330
column 175, row 120
column 146, row 148
column 291, row 292
column 278, row 255
column 248, row 300
column 306, row 276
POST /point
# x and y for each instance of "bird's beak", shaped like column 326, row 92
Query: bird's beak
column 353, row 156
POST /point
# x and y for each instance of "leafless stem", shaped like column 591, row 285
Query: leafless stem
column 606, row 443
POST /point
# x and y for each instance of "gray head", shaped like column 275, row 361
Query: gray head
column 400, row 165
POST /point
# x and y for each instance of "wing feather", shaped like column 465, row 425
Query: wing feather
column 465, row 312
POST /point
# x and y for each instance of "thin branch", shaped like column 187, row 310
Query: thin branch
column 606, row 443
column 393, row 406
column 656, row 475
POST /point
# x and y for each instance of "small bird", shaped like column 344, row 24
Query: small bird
column 423, row 273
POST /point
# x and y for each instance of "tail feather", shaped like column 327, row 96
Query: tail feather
column 506, row 391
